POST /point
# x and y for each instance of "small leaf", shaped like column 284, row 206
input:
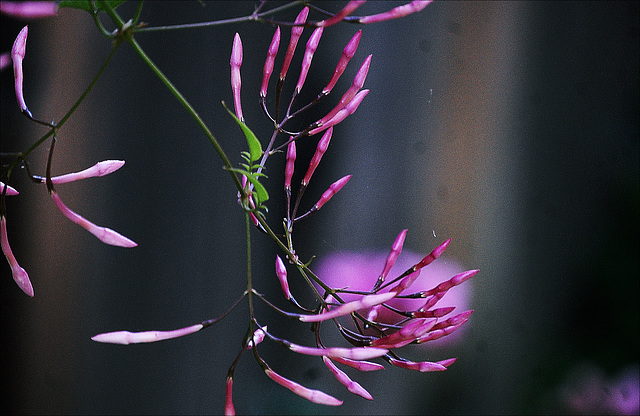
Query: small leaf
column 255, row 148
column 259, row 190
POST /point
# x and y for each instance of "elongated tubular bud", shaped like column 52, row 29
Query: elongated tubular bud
column 343, row 378
column 99, row 169
column 10, row 191
column 323, row 144
column 454, row 320
column 281, row 272
column 348, row 96
column 345, row 309
column 269, row 62
column 342, row 114
column 296, row 32
column 346, row 11
column 347, row 54
column 435, row 313
column 312, row 45
column 17, row 55
column 257, row 338
column 454, row 281
column 423, row 366
column 106, row 235
column 406, row 282
column 19, row 274
column 396, row 12
column 396, row 249
column 356, row 353
column 126, row 337
column 236, row 81
column 315, row 396
column 406, row 335
column 229, row 410
column 359, row 365
column 329, row 193
column 29, row 9
column 447, row 362
column 290, row 165
column 437, row 252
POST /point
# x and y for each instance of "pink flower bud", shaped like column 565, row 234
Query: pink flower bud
column 406, row 335
column 296, row 32
column 359, row 365
column 434, row 313
column 454, row 281
column 349, row 109
column 281, row 272
column 236, row 62
column 346, row 11
column 17, row 54
column 28, row 9
column 10, row 191
column 312, row 45
column 343, row 378
column 396, row 249
column 329, row 193
column 20, row 276
column 315, row 396
column 345, row 309
column 397, row 12
column 356, row 85
column 323, row 144
column 357, row 353
column 347, row 54
column 423, row 366
column 99, row 169
column 106, row 235
column 290, row 164
column 126, row 337
column 269, row 62
column 229, row 410
column 437, row 252
column 257, row 338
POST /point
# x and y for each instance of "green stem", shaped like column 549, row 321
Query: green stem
column 248, row 225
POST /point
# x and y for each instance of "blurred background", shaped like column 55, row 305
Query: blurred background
column 510, row 127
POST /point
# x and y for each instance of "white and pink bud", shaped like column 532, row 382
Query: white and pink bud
column 454, row 281
column 236, row 81
column 10, row 191
column 323, row 144
column 99, row 169
column 346, row 11
column 258, row 337
column 345, row 309
column 106, row 235
column 329, row 193
column 126, row 337
column 315, row 396
column 423, row 366
column 347, row 54
column 29, row 9
column 20, row 275
column 290, row 164
column 359, row 365
column 17, row 55
column 356, row 353
column 296, row 32
column 281, row 272
column 312, row 45
column 345, row 112
column 396, row 249
column 396, row 12
column 408, row 334
column 269, row 62
column 343, row 378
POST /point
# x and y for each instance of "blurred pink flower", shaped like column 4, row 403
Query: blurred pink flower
column 29, row 10
column 360, row 270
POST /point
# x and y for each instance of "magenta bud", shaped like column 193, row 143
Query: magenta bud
column 356, row 353
column 29, row 9
column 258, row 337
column 290, row 164
column 106, row 235
column 10, row 191
column 454, row 281
column 345, row 309
column 269, row 62
column 447, row 362
column 343, row 378
column 296, row 32
column 126, row 337
column 423, row 366
column 347, row 54
column 329, row 193
column 396, row 249
column 323, row 144
column 236, row 81
column 312, row 45
column 437, row 252
column 346, row 11
column 315, row 396
column 281, row 272
column 229, row 410
column 20, row 275
column 396, row 12
column 434, row 313
column 349, row 109
column 359, row 365
column 17, row 55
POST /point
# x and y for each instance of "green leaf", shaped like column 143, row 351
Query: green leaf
column 259, row 190
column 255, row 148
column 88, row 4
